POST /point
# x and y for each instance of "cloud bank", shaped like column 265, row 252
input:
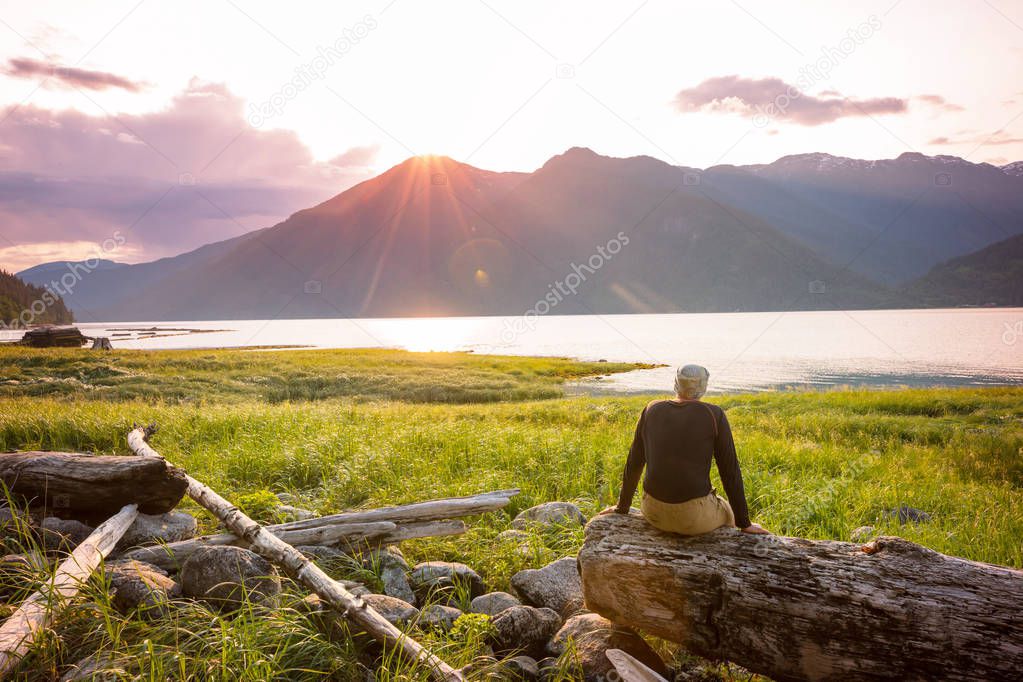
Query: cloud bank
column 170, row 180
column 776, row 99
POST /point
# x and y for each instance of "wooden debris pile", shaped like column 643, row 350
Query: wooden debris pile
column 133, row 498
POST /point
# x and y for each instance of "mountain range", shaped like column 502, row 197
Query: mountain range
column 587, row 233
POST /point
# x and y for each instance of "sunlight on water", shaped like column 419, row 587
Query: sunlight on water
column 744, row 351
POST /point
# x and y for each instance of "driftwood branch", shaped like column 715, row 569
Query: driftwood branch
column 75, row 484
column 404, row 522
column 173, row 554
column 796, row 609
column 36, row 613
column 275, row 550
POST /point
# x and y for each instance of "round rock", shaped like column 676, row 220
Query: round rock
column 556, row 586
column 438, row 616
column 524, row 629
column 63, row 534
column 443, row 579
column 550, row 514
column 390, row 565
column 138, row 585
column 493, row 603
column 225, row 577
column 148, row 529
column 593, row 636
column 395, row 611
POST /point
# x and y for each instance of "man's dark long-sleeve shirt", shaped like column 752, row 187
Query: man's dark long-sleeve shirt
column 675, row 441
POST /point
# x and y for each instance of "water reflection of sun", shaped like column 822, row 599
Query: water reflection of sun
column 440, row 334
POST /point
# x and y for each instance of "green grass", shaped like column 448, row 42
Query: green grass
column 816, row 465
column 279, row 376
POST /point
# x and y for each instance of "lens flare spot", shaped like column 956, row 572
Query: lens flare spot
column 482, row 278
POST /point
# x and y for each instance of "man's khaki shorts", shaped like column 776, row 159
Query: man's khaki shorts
column 692, row 517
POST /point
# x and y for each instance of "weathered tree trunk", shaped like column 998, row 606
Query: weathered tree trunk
column 796, row 609
column 37, row 611
column 173, row 554
column 73, row 484
column 273, row 549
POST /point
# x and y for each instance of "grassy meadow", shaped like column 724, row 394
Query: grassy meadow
column 355, row 428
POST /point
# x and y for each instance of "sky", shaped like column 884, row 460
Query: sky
column 142, row 129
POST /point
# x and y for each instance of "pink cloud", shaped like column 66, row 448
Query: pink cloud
column 171, row 180
column 776, row 99
column 939, row 102
column 21, row 67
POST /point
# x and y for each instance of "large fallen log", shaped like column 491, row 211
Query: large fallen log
column 305, row 571
column 795, row 609
column 35, row 614
column 172, row 555
column 72, row 484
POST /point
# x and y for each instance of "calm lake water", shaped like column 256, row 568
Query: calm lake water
column 743, row 351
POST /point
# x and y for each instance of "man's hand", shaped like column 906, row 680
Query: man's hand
column 609, row 510
column 755, row 529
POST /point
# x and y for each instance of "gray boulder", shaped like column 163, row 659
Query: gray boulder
column 556, row 586
column 141, row 586
column 550, row 514
column 63, row 535
column 524, row 629
column 443, row 580
column 438, row 616
column 493, row 603
column 170, row 527
column 225, row 577
column 395, row 611
column 389, row 563
column 862, row 534
column 593, row 636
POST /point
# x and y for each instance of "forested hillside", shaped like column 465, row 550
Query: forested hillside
column 23, row 304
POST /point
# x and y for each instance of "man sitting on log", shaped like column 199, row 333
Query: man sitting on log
column 676, row 440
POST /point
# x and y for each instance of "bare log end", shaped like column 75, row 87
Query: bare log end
column 91, row 486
